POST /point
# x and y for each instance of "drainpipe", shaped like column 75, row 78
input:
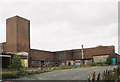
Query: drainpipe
column 82, row 52
column 72, row 54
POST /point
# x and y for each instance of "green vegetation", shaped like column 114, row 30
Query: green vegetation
column 15, row 69
column 116, row 75
column 95, row 64
column 91, row 64
column 11, row 74
column 99, row 46
column 109, row 61
column 16, row 63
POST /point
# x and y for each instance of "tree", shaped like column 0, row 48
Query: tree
column 16, row 63
column 109, row 61
column 99, row 46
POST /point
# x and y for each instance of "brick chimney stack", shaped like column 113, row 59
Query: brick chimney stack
column 82, row 51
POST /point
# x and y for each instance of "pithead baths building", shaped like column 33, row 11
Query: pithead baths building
column 18, row 43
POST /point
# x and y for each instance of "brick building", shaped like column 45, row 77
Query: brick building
column 18, row 40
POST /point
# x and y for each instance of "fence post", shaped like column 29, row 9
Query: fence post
column 103, row 78
column 93, row 77
column 98, row 77
column 106, row 71
column 114, row 70
column 90, row 77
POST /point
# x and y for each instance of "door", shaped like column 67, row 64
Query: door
column 42, row 62
column 77, row 62
column 113, row 61
column 24, row 62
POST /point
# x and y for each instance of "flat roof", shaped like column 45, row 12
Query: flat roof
column 5, row 55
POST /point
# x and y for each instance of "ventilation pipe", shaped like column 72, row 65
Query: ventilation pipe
column 82, row 52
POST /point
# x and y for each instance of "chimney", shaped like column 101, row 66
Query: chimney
column 82, row 52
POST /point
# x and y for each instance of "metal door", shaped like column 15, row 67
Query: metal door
column 77, row 62
column 113, row 61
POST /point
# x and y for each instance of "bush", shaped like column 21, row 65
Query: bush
column 91, row 64
column 9, row 75
column 109, row 61
column 16, row 63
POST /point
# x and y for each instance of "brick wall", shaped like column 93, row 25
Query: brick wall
column 17, row 34
column 63, row 55
column 41, row 55
column 23, row 35
column 11, row 34
column 88, row 52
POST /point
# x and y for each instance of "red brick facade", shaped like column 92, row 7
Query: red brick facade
column 17, row 35
column 41, row 55
column 18, row 40
column 88, row 52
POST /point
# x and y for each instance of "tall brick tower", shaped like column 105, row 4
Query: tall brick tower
column 17, row 34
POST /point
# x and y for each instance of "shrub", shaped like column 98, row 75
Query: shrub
column 91, row 64
column 109, row 61
column 16, row 63
column 9, row 75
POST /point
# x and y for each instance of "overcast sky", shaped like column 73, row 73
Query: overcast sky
column 62, row 25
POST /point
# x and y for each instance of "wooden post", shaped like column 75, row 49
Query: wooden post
column 119, row 77
column 90, row 76
column 98, row 78
column 106, row 72
column 114, row 69
column 103, row 75
column 93, row 78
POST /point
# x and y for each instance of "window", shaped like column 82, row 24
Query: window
column 2, row 50
column 33, row 61
column 77, row 61
column 36, row 61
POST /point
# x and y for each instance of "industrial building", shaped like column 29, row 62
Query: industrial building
column 18, row 43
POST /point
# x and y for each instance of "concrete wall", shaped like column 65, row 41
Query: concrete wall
column 100, row 59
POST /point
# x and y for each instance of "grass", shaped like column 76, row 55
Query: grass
column 114, row 77
column 12, row 74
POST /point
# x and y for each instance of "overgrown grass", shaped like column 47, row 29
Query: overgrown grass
column 12, row 74
column 115, row 77
column 96, row 64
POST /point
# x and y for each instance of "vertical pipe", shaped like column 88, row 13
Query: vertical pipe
column 82, row 52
